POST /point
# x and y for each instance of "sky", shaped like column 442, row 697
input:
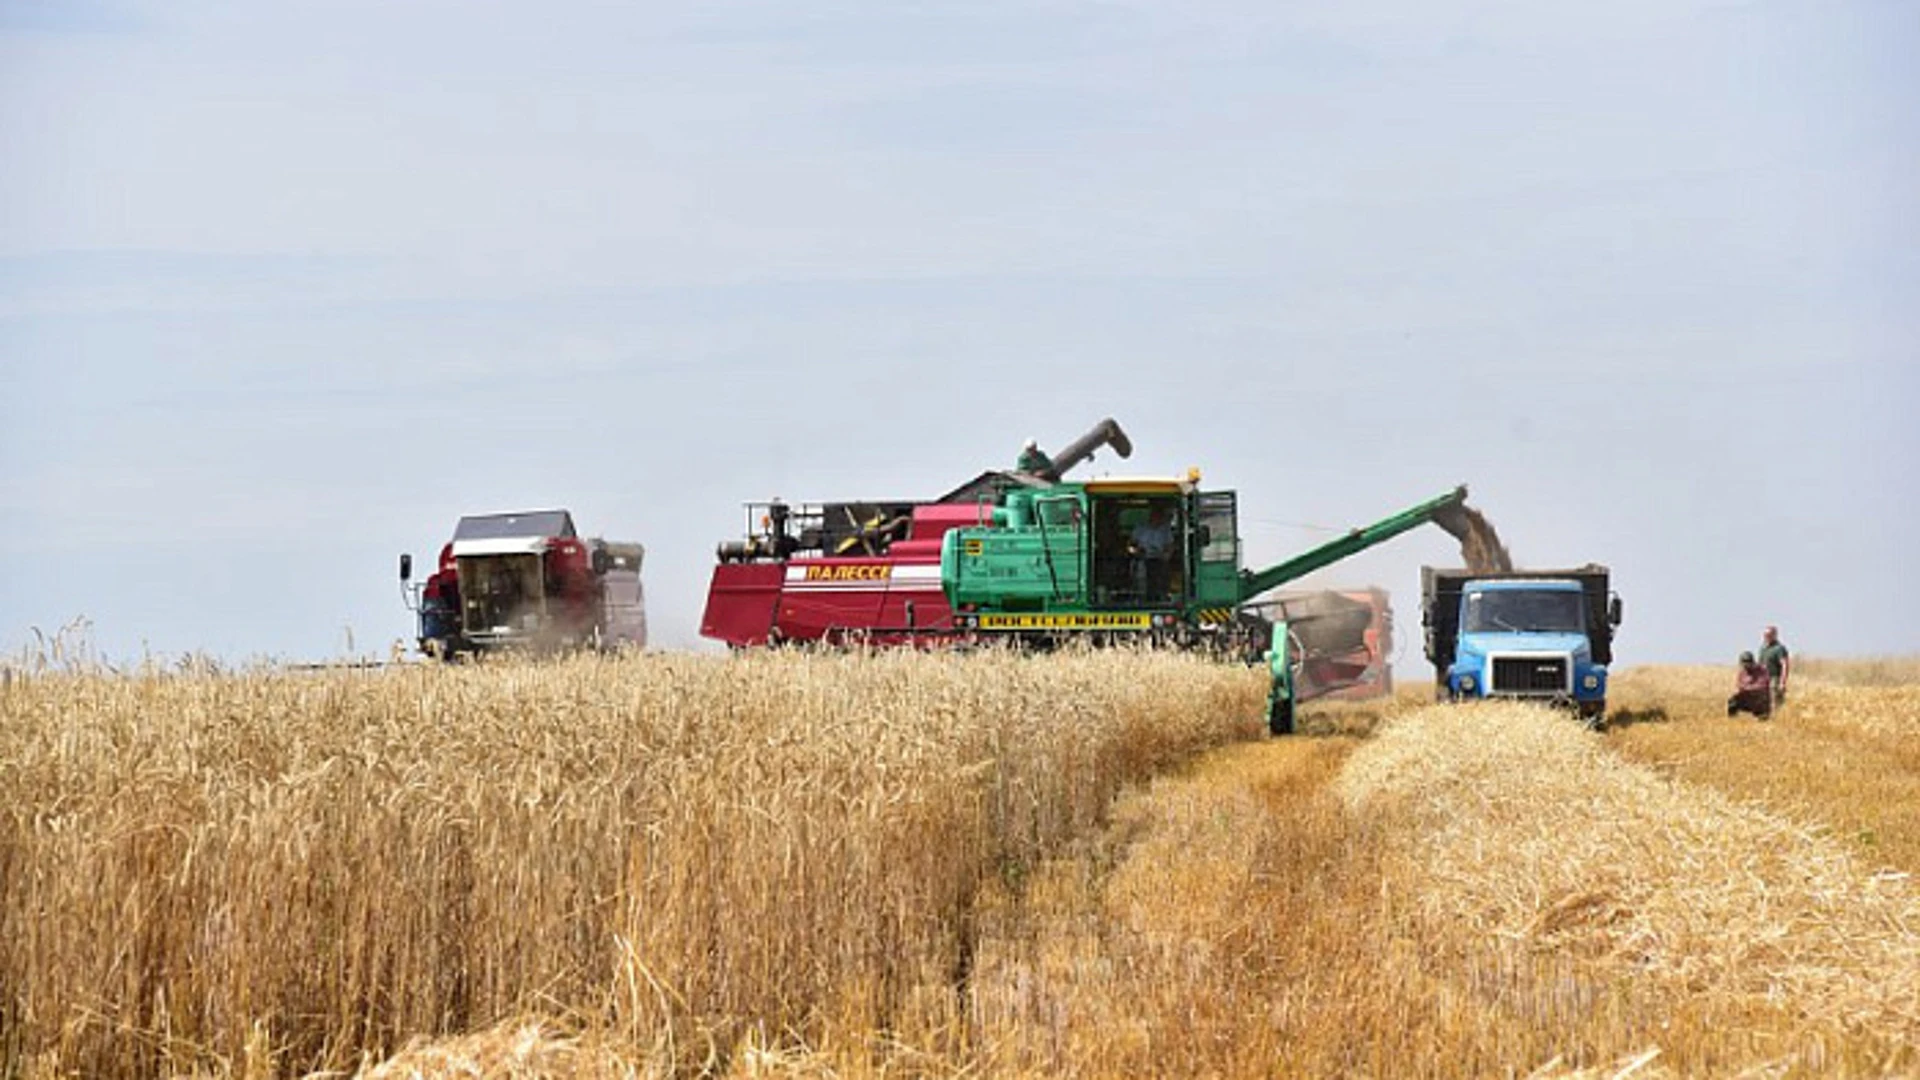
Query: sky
column 286, row 288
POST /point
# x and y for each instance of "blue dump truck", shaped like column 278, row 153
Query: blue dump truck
column 1539, row 635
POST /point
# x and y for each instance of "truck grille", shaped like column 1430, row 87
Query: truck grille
column 1529, row 675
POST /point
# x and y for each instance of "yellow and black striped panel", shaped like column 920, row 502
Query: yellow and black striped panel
column 1214, row 616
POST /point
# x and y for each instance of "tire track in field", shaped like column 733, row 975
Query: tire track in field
column 1476, row 890
column 1172, row 944
column 1239, row 920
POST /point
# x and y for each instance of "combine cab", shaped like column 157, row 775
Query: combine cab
column 528, row 580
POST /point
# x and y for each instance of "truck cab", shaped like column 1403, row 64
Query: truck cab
column 1544, row 636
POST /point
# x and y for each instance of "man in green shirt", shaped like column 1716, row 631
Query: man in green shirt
column 1033, row 459
column 1778, row 663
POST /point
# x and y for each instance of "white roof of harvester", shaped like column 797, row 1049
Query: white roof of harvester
column 525, row 531
column 527, row 523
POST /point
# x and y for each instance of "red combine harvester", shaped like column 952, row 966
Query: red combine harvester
column 528, row 580
column 866, row 571
column 1344, row 640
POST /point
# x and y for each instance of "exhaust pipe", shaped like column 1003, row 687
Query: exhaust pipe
column 1106, row 433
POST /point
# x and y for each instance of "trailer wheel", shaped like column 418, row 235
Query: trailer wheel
column 1280, row 717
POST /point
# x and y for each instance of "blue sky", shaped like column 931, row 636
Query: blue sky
column 285, row 288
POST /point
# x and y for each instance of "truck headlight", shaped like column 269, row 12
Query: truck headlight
column 1591, row 682
column 1466, row 683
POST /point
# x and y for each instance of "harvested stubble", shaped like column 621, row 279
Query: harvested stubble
column 1756, row 941
column 678, row 856
column 1222, row 926
column 1477, row 891
column 1844, row 751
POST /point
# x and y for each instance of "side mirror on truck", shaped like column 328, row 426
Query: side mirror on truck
column 1613, row 611
column 406, row 567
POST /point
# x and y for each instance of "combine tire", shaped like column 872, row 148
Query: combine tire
column 1280, row 717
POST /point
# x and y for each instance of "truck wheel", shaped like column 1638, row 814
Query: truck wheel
column 1280, row 717
column 1595, row 714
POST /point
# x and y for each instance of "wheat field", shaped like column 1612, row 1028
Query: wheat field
column 802, row 864
column 281, row 873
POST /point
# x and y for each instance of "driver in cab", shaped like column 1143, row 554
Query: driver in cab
column 1151, row 545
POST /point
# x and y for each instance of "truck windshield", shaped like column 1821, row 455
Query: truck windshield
column 1524, row 610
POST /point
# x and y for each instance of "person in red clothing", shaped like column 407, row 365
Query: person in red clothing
column 1753, row 689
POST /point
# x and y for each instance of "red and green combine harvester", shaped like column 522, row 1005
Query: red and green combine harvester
column 1026, row 555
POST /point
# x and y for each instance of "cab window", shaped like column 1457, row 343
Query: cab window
column 1060, row 513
